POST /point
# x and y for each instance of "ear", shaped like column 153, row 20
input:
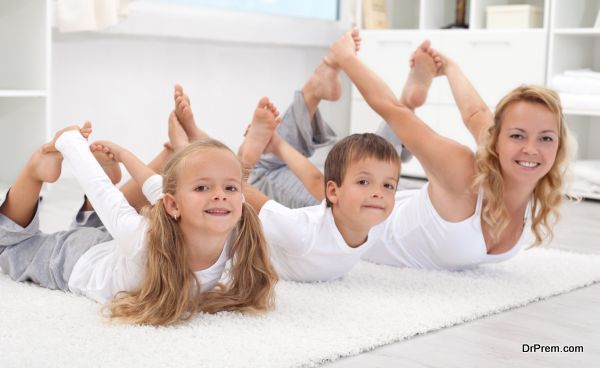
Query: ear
column 170, row 204
column 331, row 191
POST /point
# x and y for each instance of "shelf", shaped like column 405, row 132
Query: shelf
column 577, row 31
column 22, row 93
column 581, row 112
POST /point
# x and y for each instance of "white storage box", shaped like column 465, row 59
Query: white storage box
column 513, row 16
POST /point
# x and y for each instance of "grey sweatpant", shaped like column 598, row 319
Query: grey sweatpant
column 272, row 177
column 27, row 254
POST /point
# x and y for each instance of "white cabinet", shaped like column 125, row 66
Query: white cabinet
column 496, row 61
column 24, row 82
column 575, row 44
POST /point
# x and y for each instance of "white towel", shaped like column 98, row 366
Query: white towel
column 588, row 170
column 590, row 103
column 582, row 73
column 576, row 85
column 89, row 15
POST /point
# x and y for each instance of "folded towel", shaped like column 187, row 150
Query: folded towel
column 582, row 73
column 576, row 85
column 588, row 170
column 590, row 103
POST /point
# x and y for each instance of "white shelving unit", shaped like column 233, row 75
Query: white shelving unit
column 496, row 61
column 24, row 82
column 575, row 44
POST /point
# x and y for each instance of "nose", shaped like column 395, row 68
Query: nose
column 219, row 194
column 530, row 147
column 377, row 194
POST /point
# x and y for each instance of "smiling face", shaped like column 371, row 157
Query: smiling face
column 365, row 197
column 527, row 142
column 208, row 195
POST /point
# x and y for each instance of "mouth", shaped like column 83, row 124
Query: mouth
column 374, row 207
column 527, row 164
column 218, row 211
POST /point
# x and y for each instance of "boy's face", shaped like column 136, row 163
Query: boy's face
column 366, row 196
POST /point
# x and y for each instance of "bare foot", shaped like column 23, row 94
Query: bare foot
column 177, row 136
column 107, row 161
column 85, row 130
column 422, row 72
column 183, row 112
column 265, row 120
column 45, row 167
column 324, row 84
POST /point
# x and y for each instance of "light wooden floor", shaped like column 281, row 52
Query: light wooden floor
column 496, row 341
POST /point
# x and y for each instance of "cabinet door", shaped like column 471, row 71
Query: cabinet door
column 496, row 62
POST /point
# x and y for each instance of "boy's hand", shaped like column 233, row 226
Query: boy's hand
column 112, row 150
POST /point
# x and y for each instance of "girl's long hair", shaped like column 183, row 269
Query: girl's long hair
column 548, row 193
column 169, row 291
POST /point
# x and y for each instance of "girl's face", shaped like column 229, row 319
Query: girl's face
column 209, row 192
column 528, row 142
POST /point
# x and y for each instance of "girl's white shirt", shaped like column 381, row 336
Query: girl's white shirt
column 117, row 265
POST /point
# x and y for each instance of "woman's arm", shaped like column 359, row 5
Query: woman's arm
column 448, row 164
column 304, row 170
column 475, row 113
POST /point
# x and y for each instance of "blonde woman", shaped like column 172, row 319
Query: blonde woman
column 475, row 206
column 157, row 268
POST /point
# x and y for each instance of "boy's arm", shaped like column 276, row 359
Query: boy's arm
column 255, row 198
column 139, row 171
column 304, row 170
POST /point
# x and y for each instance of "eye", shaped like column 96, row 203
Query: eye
column 231, row 188
column 389, row 186
column 201, row 188
column 547, row 139
column 362, row 182
column 516, row 136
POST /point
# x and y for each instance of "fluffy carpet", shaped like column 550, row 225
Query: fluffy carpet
column 313, row 323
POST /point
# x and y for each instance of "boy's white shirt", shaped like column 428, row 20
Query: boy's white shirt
column 306, row 245
column 117, row 265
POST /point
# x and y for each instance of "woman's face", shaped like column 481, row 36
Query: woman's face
column 528, row 142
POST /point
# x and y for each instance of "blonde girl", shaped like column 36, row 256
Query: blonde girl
column 157, row 268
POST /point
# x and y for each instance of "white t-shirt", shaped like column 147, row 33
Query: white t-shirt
column 417, row 236
column 306, row 245
column 117, row 265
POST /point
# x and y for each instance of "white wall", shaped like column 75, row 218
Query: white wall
column 123, row 84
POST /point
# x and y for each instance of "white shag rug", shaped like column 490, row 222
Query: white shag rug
column 313, row 323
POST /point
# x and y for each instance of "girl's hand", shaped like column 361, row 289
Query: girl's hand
column 85, row 130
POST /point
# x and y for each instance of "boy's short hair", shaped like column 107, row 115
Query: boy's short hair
column 354, row 148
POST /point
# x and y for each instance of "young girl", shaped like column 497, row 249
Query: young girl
column 160, row 267
column 474, row 207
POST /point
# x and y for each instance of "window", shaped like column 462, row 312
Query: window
column 316, row 9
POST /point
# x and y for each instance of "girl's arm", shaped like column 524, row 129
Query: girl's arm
column 305, row 170
column 121, row 220
column 475, row 113
column 448, row 164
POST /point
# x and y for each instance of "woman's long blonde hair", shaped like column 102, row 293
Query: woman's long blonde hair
column 548, row 193
column 170, row 291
